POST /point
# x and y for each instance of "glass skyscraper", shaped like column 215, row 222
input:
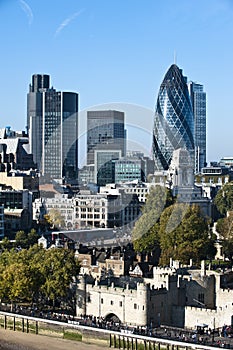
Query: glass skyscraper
column 198, row 99
column 105, row 131
column 174, row 120
column 53, row 129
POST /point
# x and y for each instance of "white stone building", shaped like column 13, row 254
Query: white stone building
column 60, row 202
column 177, row 297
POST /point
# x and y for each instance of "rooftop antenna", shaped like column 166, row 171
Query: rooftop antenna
column 175, row 57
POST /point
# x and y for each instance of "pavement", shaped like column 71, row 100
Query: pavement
column 15, row 340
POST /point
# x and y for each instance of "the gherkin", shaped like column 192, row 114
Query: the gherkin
column 174, row 121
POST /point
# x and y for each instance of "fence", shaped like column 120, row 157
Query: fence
column 112, row 339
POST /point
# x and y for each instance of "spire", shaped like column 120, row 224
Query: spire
column 175, row 57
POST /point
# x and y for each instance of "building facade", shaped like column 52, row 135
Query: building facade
column 52, row 118
column 198, row 99
column 105, row 130
column 128, row 169
column 175, row 296
column 174, row 121
column 2, row 221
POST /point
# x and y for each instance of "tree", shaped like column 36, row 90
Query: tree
column 32, row 237
column 21, row 239
column 59, row 268
column 36, row 274
column 6, row 244
column 54, row 219
column 224, row 199
column 19, row 280
column 225, row 229
column 184, row 234
column 145, row 231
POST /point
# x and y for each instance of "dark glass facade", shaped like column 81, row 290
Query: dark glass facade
column 198, row 99
column 53, row 129
column 105, row 130
column 174, row 121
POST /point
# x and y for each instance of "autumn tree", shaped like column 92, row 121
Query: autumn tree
column 54, row 219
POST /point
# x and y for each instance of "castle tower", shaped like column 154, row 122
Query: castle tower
column 81, row 294
column 142, row 298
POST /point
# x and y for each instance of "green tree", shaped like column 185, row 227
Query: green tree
column 59, row 268
column 145, row 231
column 21, row 239
column 19, row 280
column 184, row 234
column 6, row 244
column 36, row 274
column 224, row 199
column 32, row 237
column 225, row 229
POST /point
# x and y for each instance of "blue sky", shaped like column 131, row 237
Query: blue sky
column 117, row 52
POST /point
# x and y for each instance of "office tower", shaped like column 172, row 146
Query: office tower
column 105, row 131
column 198, row 99
column 104, row 166
column 53, row 129
column 173, row 123
column 128, row 169
column 40, row 83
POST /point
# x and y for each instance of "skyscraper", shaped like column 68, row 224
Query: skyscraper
column 173, row 122
column 40, row 84
column 52, row 118
column 105, row 131
column 198, row 99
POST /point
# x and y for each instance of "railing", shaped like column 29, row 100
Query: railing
column 114, row 339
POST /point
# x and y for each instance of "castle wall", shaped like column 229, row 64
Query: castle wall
column 200, row 291
column 129, row 305
column 224, row 297
column 213, row 318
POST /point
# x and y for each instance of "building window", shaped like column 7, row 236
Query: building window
column 201, row 298
column 102, row 300
column 120, row 303
column 135, row 306
column 111, row 302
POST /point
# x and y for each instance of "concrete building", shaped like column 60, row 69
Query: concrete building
column 16, row 220
column 21, row 180
column 135, row 187
column 14, row 152
column 60, row 202
column 181, row 180
column 109, row 208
